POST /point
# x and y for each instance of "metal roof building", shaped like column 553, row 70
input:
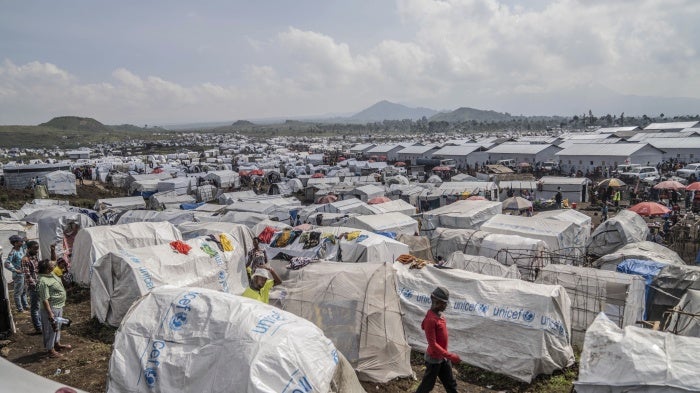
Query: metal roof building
column 588, row 156
column 467, row 154
column 523, row 152
column 682, row 149
column 673, row 126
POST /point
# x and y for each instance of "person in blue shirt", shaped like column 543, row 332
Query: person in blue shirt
column 13, row 263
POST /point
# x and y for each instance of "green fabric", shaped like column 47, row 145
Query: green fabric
column 50, row 288
column 263, row 295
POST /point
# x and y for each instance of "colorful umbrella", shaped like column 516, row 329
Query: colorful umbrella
column 256, row 172
column 648, row 209
column 694, row 186
column 441, row 169
column 612, row 182
column 400, row 163
column 669, row 185
column 378, row 200
column 516, row 203
column 318, row 175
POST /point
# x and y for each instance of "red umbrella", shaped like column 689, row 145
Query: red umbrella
column 378, row 200
column 669, row 185
column 257, row 172
column 158, row 170
column 649, row 209
column 441, row 169
column 400, row 163
column 694, row 186
column 243, row 173
column 327, row 199
column 476, row 198
column 318, row 175
column 341, row 158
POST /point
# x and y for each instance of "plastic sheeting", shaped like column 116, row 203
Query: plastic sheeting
column 50, row 226
column 386, row 222
column 621, row 296
column 673, row 281
column 632, row 359
column 357, row 307
column 528, row 254
column 168, row 199
column 120, row 278
column 60, row 183
column 645, row 250
column 92, row 243
column 688, row 323
column 397, row 206
column 120, row 204
column 560, row 236
column 418, row 246
column 200, row 340
column 626, row 227
column 461, row 214
column 241, row 234
column 481, row 265
column 582, row 223
column 507, row 326
column 16, row 379
column 174, row 217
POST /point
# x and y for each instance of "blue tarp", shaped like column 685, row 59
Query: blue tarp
column 191, row 206
column 390, row 235
column 647, row 269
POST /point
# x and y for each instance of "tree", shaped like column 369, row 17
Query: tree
column 622, row 118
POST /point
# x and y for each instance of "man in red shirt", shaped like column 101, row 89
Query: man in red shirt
column 437, row 358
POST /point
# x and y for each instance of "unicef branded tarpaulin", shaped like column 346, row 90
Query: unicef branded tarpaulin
column 200, row 340
column 507, row 326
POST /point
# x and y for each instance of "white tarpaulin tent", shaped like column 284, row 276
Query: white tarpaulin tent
column 644, row 250
column 16, row 379
column 121, row 204
column 397, row 206
column 357, row 307
column 120, row 278
column 481, row 265
column 92, row 243
column 168, row 200
column 179, row 185
column 242, row 235
column 528, row 254
column 621, row 296
column 367, row 247
column 397, row 223
column 687, row 323
column 349, row 206
column 636, row 360
column 51, row 223
column 581, row 221
column 174, row 217
column 503, row 325
column 626, row 227
column 560, row 236
column 224, row 179
column 200, row 340
column 60, row 183
column 461, row 214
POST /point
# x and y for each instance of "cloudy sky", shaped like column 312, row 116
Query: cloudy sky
column 165, row 62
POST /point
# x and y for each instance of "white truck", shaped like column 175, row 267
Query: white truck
column 690, row 172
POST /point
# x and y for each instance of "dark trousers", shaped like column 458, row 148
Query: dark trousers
column 432, row 372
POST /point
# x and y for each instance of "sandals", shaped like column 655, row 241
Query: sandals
column 60, row 347
column 54, row 355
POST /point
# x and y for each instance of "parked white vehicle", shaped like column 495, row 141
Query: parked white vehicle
column 648, row 173
column 690, row 171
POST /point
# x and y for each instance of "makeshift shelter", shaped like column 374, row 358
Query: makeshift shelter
column 573, row 189
column 60, row 183
column 242, row 235
column 357, row 307
column 481, row 265
column 461, row 214
column 172, row 216
column 560, row 236
column 528, row 254
column 51, row 223
column 621, row 296
column 397, row 206
column 120, row 204
column 18, row 379
column 626, row 227
column 582, row 223
column 206, row 193
column 418, row 246
column 178, row 185
column 224, row 179
column 633, row 359
column 92, row 243
column 120, row 278
column 669, row 285
column 228, row 198
column 168, row 200
column 685, row 317
column 502, row 325
column 395, row 223
column 350, row 206
column 182, row 339
column 644, row 250
column 340, row 244
column 369, row 191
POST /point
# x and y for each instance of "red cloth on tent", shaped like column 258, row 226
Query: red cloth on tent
column 181, row 247
column 266, row 235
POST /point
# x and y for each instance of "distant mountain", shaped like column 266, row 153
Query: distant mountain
column 76, row 123
column 463, row 114
column 243, row 123
column 385, row 110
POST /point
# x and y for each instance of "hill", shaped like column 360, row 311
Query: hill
column 385, row 110
column 463, row 114
column 243, row 123
column 76, row 123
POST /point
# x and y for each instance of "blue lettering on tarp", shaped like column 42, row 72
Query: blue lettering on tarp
column 472, row 307
column 182, row 308
column 554, row 326
column 334, row 354
column 146, row 277
column 299, row 384
column 150, row 372
column 406, row 293
column 267, row 321
column 514, row 314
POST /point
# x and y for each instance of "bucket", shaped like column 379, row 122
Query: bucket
column 573, row 205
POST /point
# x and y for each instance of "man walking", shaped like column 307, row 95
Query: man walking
column 30, row 268
column 558, row 197
column 437, row 357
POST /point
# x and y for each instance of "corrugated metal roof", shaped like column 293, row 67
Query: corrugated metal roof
column 461, row 150
column 672, row 126
column 515, row 148
column 674, row 143
column 384, row 148
column 362, row 147
column 601, row 149
column 643, row 136
column 612, row 130
column 570, row 142
column 416, row 149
